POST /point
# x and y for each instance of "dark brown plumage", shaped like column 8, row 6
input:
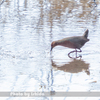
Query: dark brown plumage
column 75, row 42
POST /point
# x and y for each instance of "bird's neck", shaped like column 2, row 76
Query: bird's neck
column 59, row 42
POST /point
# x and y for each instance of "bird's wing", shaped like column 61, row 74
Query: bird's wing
column 77, row 41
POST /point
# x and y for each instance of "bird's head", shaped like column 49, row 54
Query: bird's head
column 53, row 44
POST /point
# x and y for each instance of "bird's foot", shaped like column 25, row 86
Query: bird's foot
column 80, row 56
column 76, row 54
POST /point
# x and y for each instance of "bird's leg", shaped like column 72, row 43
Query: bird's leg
column 74, row 51
column 78, row 51
column 71, row 52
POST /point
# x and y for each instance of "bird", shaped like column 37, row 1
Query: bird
column 74, row 42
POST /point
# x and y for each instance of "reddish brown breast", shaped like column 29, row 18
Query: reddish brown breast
column 68, row 44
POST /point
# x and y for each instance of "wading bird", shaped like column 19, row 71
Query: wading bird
column 74, row 42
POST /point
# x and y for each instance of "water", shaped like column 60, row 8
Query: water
column 27, row 29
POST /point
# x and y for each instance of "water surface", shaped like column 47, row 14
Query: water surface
column 27, row 29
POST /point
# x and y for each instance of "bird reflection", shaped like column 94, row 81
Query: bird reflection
column 74, row 66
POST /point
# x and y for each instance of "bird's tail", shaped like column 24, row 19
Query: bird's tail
column 86, row 33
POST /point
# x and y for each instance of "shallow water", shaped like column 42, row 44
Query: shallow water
column 27, row 29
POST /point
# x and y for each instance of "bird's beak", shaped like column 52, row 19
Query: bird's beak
column 51, row 48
